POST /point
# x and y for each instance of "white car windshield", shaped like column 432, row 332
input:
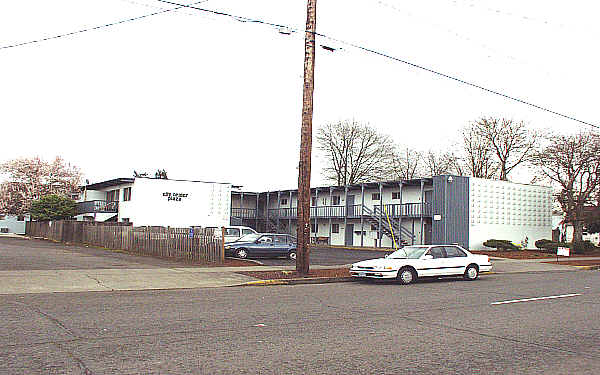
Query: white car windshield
column 250, row 237
column 410, row 252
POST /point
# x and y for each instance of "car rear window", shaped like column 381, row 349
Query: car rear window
column 454, row 252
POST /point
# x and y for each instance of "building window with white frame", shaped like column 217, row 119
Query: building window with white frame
column 335, row 200
column 396, row 195
column 335, row 228
column 314, row 227
column 127, row 194
column 283, row 202
column 376, row 196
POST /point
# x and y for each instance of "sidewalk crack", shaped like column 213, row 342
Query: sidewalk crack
column 99, row 282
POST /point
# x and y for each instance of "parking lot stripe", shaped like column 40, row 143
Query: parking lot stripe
column 536, row 299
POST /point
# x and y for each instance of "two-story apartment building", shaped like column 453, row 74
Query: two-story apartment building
column 440, row 209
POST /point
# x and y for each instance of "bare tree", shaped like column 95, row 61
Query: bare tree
column 511, row 142
column 406, row 164
column 478, row 153
column 442, row 162
column 30, row 179
column 355, row 152
column 573, row 163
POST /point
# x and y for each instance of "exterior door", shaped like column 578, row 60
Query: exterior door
column 350, row 206
column 349, row 235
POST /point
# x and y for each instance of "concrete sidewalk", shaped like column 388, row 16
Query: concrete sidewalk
column 505, row 265
column 56, row 281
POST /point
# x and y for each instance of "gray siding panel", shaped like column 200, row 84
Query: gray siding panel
column 451, row 203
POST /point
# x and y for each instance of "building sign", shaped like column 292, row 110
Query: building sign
column 175, row 196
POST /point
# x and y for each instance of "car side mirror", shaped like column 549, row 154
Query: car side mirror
column 427, row 257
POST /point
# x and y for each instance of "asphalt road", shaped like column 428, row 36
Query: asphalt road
column 438, row 326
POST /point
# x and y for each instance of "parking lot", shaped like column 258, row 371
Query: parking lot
column 19, row 254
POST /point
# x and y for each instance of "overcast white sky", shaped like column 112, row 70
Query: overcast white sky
column 209, row 98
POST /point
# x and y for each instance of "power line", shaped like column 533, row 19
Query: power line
column 382, row 54
column 97, row 27
column 285, row 27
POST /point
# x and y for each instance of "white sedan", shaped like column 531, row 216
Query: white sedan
column 412, row 262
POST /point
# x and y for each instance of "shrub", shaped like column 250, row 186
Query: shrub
column 582, row 247
column 501, row 245
column 550, row 245
column 53, row 207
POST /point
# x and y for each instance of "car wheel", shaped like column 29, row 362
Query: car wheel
column 242, row 253
column 471, row 272
column 292, row 255
column 406, row 276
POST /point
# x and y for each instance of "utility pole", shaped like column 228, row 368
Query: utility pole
column 303, row 234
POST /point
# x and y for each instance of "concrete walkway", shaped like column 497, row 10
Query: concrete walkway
column 56, row 281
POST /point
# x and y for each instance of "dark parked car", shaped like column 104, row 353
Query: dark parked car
column 263, row 245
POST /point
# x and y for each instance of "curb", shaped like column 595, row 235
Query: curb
column 309, row 280
column 583, row 268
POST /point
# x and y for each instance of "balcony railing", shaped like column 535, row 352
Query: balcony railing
column 355, row 211
column 244, row 213
column 97, row 206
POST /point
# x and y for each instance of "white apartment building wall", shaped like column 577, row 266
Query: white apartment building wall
column 508, row 211
column 162, row 202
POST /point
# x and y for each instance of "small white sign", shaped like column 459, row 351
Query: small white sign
column 437, row 217
column 564, row 251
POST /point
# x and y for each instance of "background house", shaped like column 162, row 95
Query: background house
column 13, row 223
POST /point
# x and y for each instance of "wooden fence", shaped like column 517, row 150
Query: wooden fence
column 191, row 244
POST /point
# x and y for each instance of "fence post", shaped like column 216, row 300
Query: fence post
column 222, row 247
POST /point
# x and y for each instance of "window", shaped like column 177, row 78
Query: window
column 127, row 194
column 283, row 202
column 373, row 227
column 125, row 220
column 437, row 252
column 265, row 239
column 335, row 200
column 375, row 196
column 314, row 228
column 246, row 231
column 454, row 252
column 232, row 232
column 313, row 201
column 112, row 195
column 20, row 218
column 395, row 195
column 2, row 217
column 335, row 228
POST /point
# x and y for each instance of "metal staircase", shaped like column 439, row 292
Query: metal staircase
column 400, row 234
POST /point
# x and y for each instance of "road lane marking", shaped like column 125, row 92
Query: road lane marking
column 536, row 299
